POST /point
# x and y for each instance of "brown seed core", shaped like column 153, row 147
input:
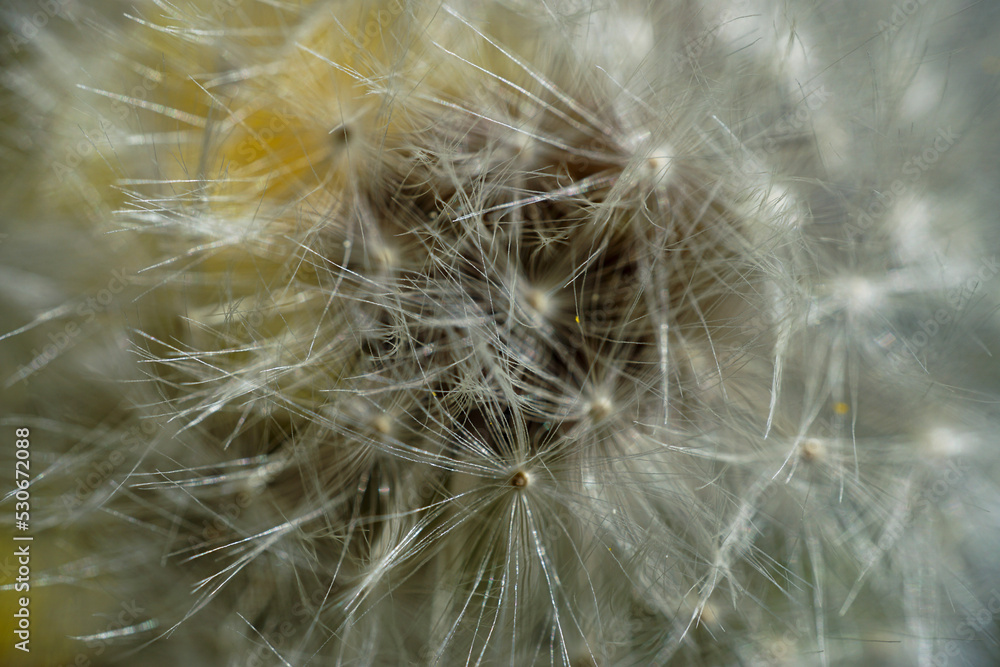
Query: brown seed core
column 537, row 300
column 383, row 425
column 519, row 479
column 812, row 450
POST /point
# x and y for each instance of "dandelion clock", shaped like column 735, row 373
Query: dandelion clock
column 500, row 333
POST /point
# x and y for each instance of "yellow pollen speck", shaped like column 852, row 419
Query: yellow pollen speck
column 841, row 408
column 577, row 318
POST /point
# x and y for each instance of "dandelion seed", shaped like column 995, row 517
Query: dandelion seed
column 812, row 450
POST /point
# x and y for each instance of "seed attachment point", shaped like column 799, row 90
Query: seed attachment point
column 520, row 479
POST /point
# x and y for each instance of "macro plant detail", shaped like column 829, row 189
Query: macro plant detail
column 485, row 333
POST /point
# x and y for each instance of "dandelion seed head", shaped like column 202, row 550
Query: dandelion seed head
column 860, row 295
column 943, row 442
column 384, row 256
column 383, row 424
column 539, row 301
column 660, row 163
column 511, row 333
column 599, row 408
